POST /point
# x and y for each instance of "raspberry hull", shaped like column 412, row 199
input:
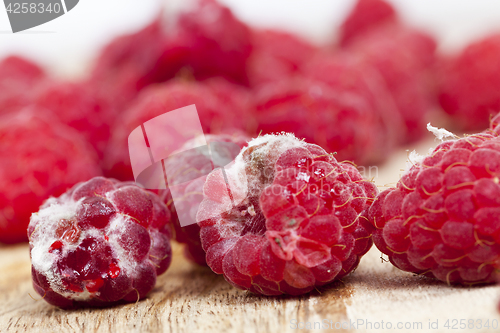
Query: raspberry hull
column 442, row 218
column 291, row 218
column 100, row 243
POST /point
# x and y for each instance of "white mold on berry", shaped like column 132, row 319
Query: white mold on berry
column 440, row 133
column 44, row 235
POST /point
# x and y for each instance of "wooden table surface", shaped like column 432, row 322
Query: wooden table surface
column 187, row 298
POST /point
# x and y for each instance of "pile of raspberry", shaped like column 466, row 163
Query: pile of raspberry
column 285, row 217
column 100, row 243
column 442, row 219
column 277, row 215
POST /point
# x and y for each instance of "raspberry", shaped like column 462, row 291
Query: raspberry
column 223, row 149
column 343, row 70
column 18, row 76
column 80, row 106
column 404, row 58
column 205, row 42
column 339, row 119
column 39, row 157
column 276, row 55
column 366, row 16
column 289, row 218
column 220, row 105
column 210, row 41
column 99, row 243
column 131, row 62
column 441, row 219
column 468, row 84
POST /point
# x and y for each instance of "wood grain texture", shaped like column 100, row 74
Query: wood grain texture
column 189, row 298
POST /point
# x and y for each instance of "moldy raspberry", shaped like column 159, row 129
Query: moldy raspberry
column 442, row 218
column 289, row 217
column 39, row 157
column 99, row 243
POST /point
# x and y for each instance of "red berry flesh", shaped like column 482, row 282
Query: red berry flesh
column 289, row 218
column 39, row 158
column 100, row 243
column 441, row 219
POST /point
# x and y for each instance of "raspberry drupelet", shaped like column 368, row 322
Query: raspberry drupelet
column 442, row 219
column 100, row 243
column 291, row 217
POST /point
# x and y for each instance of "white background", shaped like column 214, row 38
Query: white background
column 68, row 44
